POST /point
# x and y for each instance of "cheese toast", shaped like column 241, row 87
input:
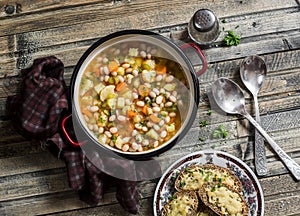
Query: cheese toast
column 193, row 177
column 223, row 199
column 184, row 203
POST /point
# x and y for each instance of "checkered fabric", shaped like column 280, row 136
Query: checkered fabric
column 36, row 113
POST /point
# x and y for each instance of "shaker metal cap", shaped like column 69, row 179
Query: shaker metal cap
column 204, row 20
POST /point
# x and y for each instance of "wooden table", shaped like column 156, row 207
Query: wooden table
column 33, row 182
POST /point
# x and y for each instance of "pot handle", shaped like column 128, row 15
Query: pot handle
column 65, row 132
column 200, row 53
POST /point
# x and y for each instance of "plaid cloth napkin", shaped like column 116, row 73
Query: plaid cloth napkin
column 36, row 113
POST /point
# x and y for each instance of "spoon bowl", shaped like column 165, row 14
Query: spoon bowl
column 253, row 71
column 230, row 98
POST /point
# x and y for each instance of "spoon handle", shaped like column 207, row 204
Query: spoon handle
column 289, row 162
column 259, row 146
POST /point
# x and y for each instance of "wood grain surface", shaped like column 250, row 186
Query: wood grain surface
column 34, row 182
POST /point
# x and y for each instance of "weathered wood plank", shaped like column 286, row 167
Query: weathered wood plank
column 36, row 6
column 144, row 9
column 279, row 200
column 29, row 163
column 26, row 185
column 28, row 44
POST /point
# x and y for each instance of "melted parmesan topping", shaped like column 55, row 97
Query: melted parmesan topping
column 228, row 201
column 193, row 179
column 182, row 205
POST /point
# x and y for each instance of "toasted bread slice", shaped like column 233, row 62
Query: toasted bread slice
column 184, row 203
column 193, row 177
column 223, row 199
column 204, row 210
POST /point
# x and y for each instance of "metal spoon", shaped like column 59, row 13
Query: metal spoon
column 253, row 71
column 230, row 98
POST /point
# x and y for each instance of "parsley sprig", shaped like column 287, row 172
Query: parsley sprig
column 232, row 39
column 220, row 132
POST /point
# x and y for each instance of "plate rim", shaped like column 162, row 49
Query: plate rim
column 172, row 166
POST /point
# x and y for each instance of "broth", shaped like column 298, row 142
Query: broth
column 130, row 97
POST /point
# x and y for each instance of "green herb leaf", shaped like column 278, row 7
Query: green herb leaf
column 203, row 123
column 232, row 39
column 220, row 132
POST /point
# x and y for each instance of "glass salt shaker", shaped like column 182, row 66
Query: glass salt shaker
column 203, row 27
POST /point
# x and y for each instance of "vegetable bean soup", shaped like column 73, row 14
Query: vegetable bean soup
column 130, row 98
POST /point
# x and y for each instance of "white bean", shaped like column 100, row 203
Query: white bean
column 172, row 114
column 135, row 146
column 101, row 130
column 114, row 73
column 135, row 95
column 108, row 134
column 154, row 104
column 105, row 70
column 156, row 109
column 112, row 118
column 120, row 78
column 152, row 94
column 113, row 130
column 94, row 108
column 140, row 103
column 169, row 78
column 163, row 134
column 174, row 93
column 126, row 139
column 162, row 91
column 125, row 147
column 161, row 123
column 156, row 91
column 149, row 124
column 159, row 99
column 138, row 126
column 156, row 127
column 140, row 149
column 143, row 54
column 149, row 56
column 106, row 78
column 145, row 142
column 101, row 78
column 144, row 128
column 155, row 144
column 168, row 104
column 172, row 99
column 121, row 118
column 126, row 65
column 167, row 119
column 135, row 72
column 168, row 94
column 134, row 133
column 162, row 105
column 158, row 78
